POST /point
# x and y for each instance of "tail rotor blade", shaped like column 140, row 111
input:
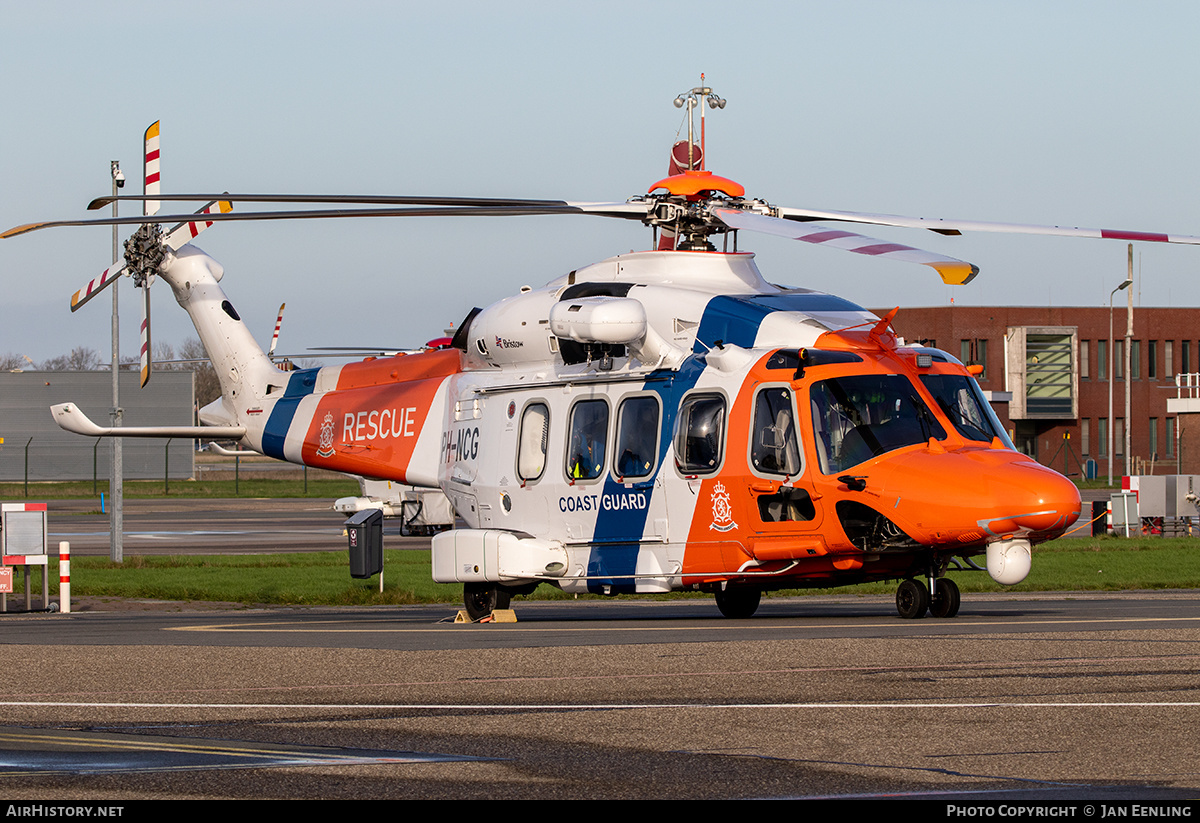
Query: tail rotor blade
column 145, row 358
column 151, row 182
column 97, row 285
column 275, row 336
column 184, row 232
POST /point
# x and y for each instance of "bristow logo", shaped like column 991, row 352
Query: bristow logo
column 326, row 441
column 505, row 343
column 722, row 511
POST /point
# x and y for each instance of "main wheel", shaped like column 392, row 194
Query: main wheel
column 481, row 599
column 738, row 603
column 912, row 599
column 946, row 598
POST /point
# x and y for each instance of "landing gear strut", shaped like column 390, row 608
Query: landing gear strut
column 481, row 599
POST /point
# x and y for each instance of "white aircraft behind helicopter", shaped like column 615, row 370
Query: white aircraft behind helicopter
column 662, row 420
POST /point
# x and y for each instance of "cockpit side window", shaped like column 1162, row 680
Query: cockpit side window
column 700, row 434
column 774, row 448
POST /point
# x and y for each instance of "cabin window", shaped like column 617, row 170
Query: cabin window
column 774, row 449
column 589, row 434
column 534, row 437
column 700, row 434
column 637, row 437
column 857, row 418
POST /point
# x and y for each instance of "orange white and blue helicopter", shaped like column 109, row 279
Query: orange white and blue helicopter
column 661, row 420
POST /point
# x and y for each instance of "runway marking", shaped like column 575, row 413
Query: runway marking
column 48, row 752
column 352, row 628
column 603, row 706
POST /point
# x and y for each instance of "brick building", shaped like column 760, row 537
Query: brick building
column 1046, row 371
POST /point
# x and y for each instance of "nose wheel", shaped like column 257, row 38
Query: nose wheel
column 913, row 599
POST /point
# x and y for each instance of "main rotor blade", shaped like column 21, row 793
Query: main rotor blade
column 949, row 226
column 953, row 272
column 635, row 211
column 377, row 199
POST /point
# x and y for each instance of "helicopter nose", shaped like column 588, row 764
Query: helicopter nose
column 976, row 495
column 1028, row 498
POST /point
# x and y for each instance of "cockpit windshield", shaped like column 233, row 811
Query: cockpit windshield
column 860, row 417
column 960, row 399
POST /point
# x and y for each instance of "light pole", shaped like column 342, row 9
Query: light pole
column 1112, row 361
column 116, row 490
column 1128, row 370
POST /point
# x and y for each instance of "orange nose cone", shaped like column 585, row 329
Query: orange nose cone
column 1030, row 499
column 975, row 495
column 1057, row 502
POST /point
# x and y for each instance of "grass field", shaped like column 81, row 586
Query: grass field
column 325, row 486
column 323, row 578
column 1072, row 564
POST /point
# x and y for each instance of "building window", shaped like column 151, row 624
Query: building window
column 1048, row 374
column 1170, row 436
column 1135, row 359
column 1102, row 436
column 1119, row 436
column 1085, row 437
column 1102, row 359
column 1153, row 438
column 1168, row 359
column 1119, row 359
column 1185, row 357
column 1152, row 359
column 974, row 353
column 1085, row 359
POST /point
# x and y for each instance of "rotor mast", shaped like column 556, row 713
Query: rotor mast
column 684, row 212
column 693, row 100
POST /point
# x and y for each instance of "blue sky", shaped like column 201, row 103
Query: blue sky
column 1078, row 113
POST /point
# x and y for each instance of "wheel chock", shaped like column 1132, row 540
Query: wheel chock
column 498, row 616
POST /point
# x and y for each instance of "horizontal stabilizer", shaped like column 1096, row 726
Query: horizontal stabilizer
column 69, row 417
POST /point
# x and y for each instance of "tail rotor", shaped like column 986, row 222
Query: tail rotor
column 149, row 248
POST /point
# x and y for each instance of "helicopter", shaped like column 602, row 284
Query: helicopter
column 662, row 420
